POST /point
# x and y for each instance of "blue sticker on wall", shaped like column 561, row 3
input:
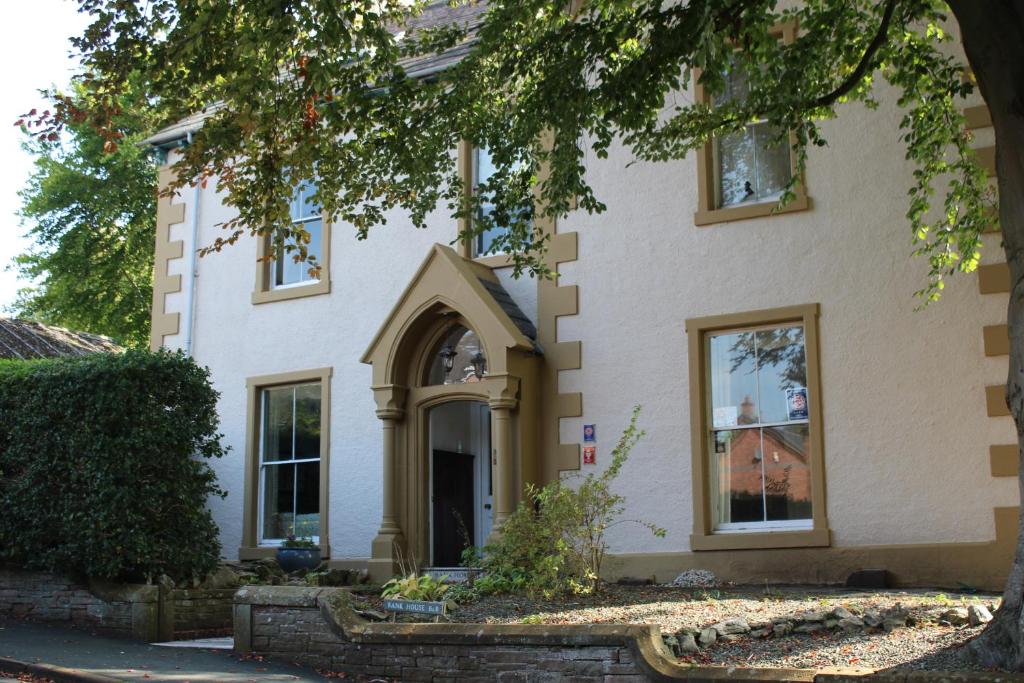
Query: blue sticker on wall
column 589, row 433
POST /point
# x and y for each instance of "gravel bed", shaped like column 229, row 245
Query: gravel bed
column 924, row 645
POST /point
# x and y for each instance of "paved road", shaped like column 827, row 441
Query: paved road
column 132, row 661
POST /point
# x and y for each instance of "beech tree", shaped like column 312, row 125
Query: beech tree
column 356, row 94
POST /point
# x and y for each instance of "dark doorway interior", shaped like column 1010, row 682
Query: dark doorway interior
column 453, row 507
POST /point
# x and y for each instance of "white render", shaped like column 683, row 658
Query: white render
column 905, row 424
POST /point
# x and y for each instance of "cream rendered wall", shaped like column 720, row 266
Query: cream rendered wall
column 906, row 433
column 906, row 430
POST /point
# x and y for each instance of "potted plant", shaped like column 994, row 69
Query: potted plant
column 298, row 553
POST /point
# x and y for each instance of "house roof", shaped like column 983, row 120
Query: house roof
column 25, row 339
column 436, row 13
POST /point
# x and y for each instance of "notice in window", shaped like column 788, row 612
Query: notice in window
column 724, row 416
column 796, row 403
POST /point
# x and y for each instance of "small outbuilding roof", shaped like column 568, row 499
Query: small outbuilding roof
column 25, row 339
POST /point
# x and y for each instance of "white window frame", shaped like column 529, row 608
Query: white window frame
column 262, row 464
column 766, row 525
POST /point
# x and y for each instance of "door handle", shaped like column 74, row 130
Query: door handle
column 487, row 506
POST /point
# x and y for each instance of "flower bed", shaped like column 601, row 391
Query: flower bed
column 790, row 628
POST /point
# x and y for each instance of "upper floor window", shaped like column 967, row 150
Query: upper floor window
column 282, row 277
column 483, row 169
column 751, row 166
column 743, row 174
column 305, row 213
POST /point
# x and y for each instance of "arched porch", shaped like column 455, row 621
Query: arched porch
column 448, row 297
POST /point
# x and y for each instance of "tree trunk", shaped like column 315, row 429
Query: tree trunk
column 993, row 36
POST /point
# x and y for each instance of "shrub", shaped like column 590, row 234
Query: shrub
column 103, row 465
column 415, row 587
column 555, row 541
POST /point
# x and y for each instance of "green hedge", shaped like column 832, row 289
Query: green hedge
column 103, row 465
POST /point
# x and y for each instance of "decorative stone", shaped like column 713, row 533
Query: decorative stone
column 894, row 617
column 672, row 643
column 809, row 627
column 708, row 636
column 695, row 578
column 687, row 644
column 782, row 628
column 872, row 619
column 814, row 615
column 840, row 613
column 957, row 616
column 851, row 624
column 978, row 615
column 732, row 626
column 761, row 632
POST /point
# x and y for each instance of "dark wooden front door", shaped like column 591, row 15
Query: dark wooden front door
column 453, row 507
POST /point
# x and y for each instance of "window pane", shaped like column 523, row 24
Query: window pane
column 278, row 500
column 466, row 345
column 736, row 169
column 303, row 205
column 782, row 374
column 733, row 382
column 307, row 421
column 277, row 424
column 307, row 500
column 787, row 473
column 773, row 167
column 737, row 476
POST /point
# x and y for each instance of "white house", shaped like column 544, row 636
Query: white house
column 803, row 420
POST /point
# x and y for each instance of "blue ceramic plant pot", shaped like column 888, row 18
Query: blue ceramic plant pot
column 294, row 559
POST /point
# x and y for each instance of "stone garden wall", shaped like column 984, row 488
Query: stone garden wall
column 140, row 612
column 318, row 628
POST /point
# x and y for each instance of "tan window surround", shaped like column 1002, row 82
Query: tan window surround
column 697, row 329
column 265, row 293
column 250, row 549
column 707, row 174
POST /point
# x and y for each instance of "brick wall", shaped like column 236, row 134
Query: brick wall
column 199, row 613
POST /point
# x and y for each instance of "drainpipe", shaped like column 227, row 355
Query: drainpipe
column 190, row 302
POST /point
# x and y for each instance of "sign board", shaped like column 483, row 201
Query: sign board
column 452, row 574
column 589, row 433
column 796, row 403
column 589, row 455
column 415, row 606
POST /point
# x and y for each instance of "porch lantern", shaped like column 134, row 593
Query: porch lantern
column 447, row 354
column 479, row 365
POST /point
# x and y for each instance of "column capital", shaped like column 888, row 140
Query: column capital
column 390, row 399
column 502, row 391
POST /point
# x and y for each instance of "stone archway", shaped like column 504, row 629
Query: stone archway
column 449, row 290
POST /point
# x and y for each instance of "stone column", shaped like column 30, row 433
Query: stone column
column 382, row 553
column 503, row 461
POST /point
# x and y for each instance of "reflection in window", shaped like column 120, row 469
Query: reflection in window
column 290, row 462
column 749, row 168
column 483, row 170
column 460, row 350
column 305, row 214
column 759, row 460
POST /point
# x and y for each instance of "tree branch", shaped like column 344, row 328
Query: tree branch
column 865, row 61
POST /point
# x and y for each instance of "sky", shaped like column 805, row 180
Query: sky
column 34, row 50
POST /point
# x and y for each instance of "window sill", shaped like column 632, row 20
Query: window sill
column 809, row 538
column 285, row 293
column 738, row 213
column 262, row 552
